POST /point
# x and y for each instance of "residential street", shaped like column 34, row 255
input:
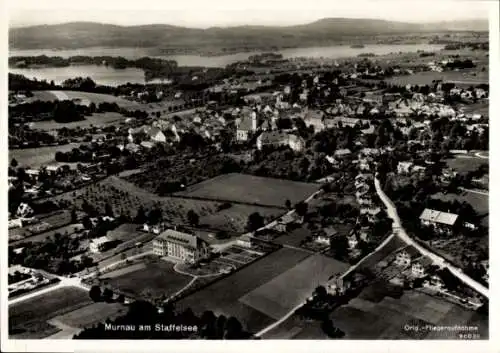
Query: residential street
column 400, row 231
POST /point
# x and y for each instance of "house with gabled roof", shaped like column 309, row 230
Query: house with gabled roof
column 442, row 222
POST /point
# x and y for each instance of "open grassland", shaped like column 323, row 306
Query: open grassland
column 284, row 292
column 234, row 219
column 92, row 314
column 223, row 296
column 389, row 318
column 96, row 119
column 40, row 156
column 95, row 98
column 460, row 78
column 478, row 200
column 153, row 281
column 251, row 189
column 464, row 164
column 28, row 319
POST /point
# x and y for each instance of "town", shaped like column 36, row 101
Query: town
column 273, row 198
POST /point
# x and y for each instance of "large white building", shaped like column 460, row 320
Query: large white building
column 180, row 246
column 99, row 244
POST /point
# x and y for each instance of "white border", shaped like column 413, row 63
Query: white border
column 256, row 346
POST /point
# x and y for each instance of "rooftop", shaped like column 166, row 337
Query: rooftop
column 185, row 239
column 438, row 217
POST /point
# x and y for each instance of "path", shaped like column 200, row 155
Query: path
column 438, row 260
column 484, row 193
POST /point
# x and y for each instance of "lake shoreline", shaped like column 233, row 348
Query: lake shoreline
column 104, row 75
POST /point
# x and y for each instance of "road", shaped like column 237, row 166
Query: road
column 64, row 282
column 438, row 260
column 484, row 193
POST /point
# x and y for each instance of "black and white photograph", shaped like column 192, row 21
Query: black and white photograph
column 275, row 170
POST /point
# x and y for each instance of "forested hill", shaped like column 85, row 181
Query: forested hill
column 325, row 31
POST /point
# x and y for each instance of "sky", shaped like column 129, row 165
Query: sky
column 208, row 13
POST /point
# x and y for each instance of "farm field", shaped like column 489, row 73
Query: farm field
column 28, row 319
column 234, row 219
column 40, row 156
column 464, row 164
column 91, row 314
column 223, row 296
column 154, row 280
column 96, row 119
column 460, row 78
column 251, row 189
column 284, row 292
column 92, row 97
column 386, row 319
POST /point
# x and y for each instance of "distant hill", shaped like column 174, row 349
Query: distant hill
column 325, row 31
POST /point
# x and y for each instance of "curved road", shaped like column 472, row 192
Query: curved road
column 438, row 260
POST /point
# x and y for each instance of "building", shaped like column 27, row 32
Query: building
column 418, row 270
column 245, row 241
column 246, row 126
column 405, row 167
column 403, row 259
column 352, row 241
column 435, row 282
column 285, row 223
column 337, row 286
column 99, row 244
column 440, row 221
column 342, row 153
column 279, row 138
column 180, row 246
column 326, row 236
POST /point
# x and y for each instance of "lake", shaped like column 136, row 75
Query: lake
column 109, row 76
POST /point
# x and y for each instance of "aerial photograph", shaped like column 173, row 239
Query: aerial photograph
column 286, row 172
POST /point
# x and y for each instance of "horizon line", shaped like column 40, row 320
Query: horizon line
column 248, row 24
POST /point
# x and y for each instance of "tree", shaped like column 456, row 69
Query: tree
column 120, row 299
column 339, row 246
column 140, row 216
column 108, row 210
column 233, row 328
column 74, row 216
column 95, row 293
column 320, row 292
column 288, row 204
column 193, row 218
column 255, row 221
column 301, row 208
column 107, row 295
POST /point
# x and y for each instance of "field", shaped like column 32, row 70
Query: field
column 464, row 164
column 37, row 157
column 223, row 296
column 92, row 97
column 284, row 292
column 58, row 222
column 460, row 78
column 28, row 319
column 251, row 189
column 91, row 314
column 125, row 197
column 234, row 219
column 154, row 280
column 96, row 119
column 479, row 201
column 387, row 319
